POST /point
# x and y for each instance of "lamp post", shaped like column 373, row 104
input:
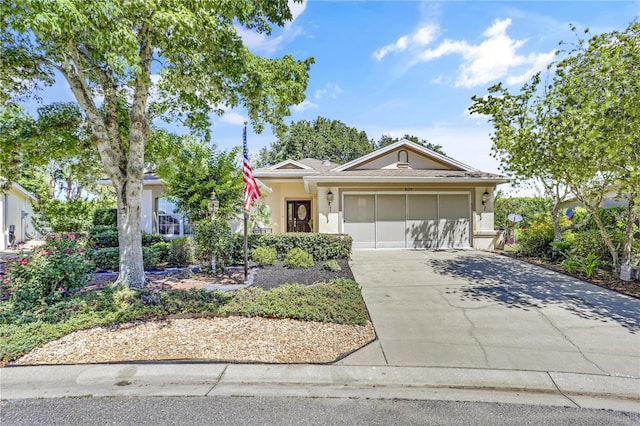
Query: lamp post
column 485, row 199
column 213, row 205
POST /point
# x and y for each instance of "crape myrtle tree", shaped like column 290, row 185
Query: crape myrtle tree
column 596, row 95
column 106, row 52
column 581, row 131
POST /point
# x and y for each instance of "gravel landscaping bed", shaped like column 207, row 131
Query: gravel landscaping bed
column 231, row 339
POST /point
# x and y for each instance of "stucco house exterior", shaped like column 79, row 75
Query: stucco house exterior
column 400, row 196
column 16, row 213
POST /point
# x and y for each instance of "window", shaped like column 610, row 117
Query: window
column 171, row 221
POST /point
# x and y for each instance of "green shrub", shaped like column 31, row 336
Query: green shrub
column 214, row 239
column 64, row 216
column 150, row 257
column 331, row 265
column 49, row 273
column 298, row 258
column 536, row 239
column 321, row 246
column 339, row 301
column 108, row 238
column 264, row 255
column 106, row 217
column 151, row 239
column 181, row 252
column 106, row 259
column 162, row 251
column 97, row 229
column 590, row 241
column 611, row 217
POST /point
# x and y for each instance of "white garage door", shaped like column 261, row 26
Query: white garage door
column 408, row 220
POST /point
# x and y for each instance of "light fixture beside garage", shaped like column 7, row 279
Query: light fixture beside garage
column 485, row 199
column 330, row 199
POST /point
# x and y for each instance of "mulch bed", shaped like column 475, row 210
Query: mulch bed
column 605, row 279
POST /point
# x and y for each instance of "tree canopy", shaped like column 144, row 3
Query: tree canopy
column 322, row 138
column 160, row 58
column 388, row 140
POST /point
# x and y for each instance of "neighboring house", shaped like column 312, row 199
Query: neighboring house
column 400, row 196
column 16, row 214
column 159, row 215
column 610, row 199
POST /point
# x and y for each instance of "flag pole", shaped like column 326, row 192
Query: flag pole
column 251, row 193
column 246, row 245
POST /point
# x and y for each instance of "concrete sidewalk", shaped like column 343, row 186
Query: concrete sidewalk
column 320, row 381
column 459, row 325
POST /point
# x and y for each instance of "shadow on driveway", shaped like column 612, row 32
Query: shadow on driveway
column 517, row 284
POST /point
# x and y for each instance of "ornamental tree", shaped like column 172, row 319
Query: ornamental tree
column 151, row 59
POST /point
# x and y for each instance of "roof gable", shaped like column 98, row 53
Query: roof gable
column 403, row 154
column 289, row 165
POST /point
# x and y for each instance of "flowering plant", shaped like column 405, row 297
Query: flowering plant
column 50, row 272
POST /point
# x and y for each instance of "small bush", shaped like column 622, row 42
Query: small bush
column 106, row 259
column 298, row 258
column 321, row 246
column 107, row 217
column 214, row 239
column 264, row 256
column 108, row 238
column 151, row 239
column 536, row 239
column 49, row 273
column 590, row 241
column 162, row 251
column 331, row 265
column 97, row 229
column 181, row 252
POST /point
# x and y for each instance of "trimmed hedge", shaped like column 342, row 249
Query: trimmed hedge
column 108, row 258
column 320, row 246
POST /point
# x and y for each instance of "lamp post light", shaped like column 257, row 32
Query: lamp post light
column 213, row 205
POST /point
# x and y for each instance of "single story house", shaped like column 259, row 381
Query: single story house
column 400, row 196
column 16, row 215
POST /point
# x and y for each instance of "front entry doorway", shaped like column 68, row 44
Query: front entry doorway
column 299, row 216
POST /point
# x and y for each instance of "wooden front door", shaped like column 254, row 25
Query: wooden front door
column 299, row 216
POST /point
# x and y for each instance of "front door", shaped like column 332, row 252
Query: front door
column 299, row 216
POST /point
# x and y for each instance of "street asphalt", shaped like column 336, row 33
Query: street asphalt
column 451, row 325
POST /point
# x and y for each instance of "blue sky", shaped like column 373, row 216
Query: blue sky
column 396, row 67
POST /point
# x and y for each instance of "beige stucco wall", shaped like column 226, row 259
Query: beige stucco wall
column 12, row 205
column 283, row 191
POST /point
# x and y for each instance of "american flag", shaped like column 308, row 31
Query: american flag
column 251, row 191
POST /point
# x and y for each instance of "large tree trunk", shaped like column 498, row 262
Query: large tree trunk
column 628, row 231
column 129, row 234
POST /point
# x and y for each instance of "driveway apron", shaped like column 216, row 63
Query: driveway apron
column 481, row 310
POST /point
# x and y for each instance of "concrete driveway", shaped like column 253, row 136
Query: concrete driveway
column 481, row 310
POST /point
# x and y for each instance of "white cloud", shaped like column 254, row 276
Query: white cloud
column 420, row 38
column 268, row 44
column 233, row 118
column 304, row 105
column 330, row 90
column 494, row 58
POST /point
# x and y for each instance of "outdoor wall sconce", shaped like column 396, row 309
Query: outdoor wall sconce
column 485, row 199
column 330, row 199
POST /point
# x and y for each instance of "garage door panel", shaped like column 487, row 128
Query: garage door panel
column 359, row 220
column 411, row 220
column 391, row 221
column 422, row 233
